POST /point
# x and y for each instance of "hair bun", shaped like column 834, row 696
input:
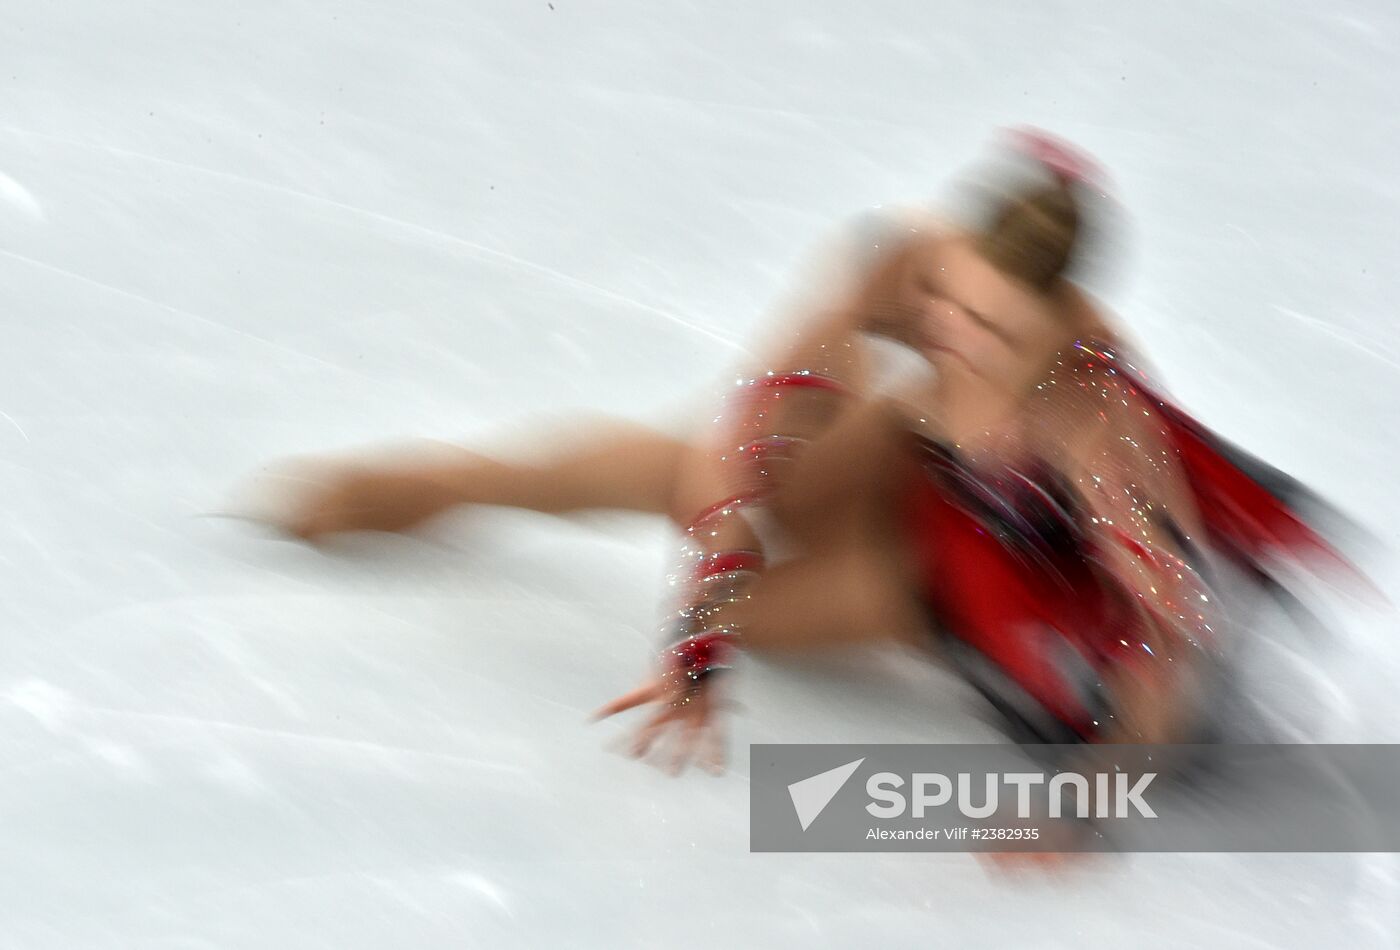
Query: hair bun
column 1033, row 233
column 1032, row 236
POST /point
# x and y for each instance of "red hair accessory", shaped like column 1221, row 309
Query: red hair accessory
column 1063, row 160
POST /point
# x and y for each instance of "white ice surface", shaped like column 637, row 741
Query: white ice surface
column 229, row 232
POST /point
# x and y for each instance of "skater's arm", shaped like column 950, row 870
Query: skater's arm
column 885, row 296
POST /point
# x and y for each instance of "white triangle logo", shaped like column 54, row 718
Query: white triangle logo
column 811, row 795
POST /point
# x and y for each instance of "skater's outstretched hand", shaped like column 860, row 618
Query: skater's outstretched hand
column 685, row 720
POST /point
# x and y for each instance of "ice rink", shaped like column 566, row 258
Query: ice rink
column 230, row 233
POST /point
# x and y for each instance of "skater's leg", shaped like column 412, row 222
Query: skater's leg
column 617, row 465
column 604, row 465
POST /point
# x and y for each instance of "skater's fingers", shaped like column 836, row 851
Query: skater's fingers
column 709, row 736
column 646, row 738
column 646, row 693
column 712, row 751
column 712, row 759
column 648, row 734
column 687, row 744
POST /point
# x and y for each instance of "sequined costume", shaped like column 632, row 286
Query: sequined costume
column 1075, row 550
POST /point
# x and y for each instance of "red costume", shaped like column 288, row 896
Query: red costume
column 1023, row 564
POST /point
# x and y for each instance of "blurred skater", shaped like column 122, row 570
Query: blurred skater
column 1033, row 509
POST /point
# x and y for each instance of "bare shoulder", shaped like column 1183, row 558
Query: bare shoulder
column 1088, row 315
